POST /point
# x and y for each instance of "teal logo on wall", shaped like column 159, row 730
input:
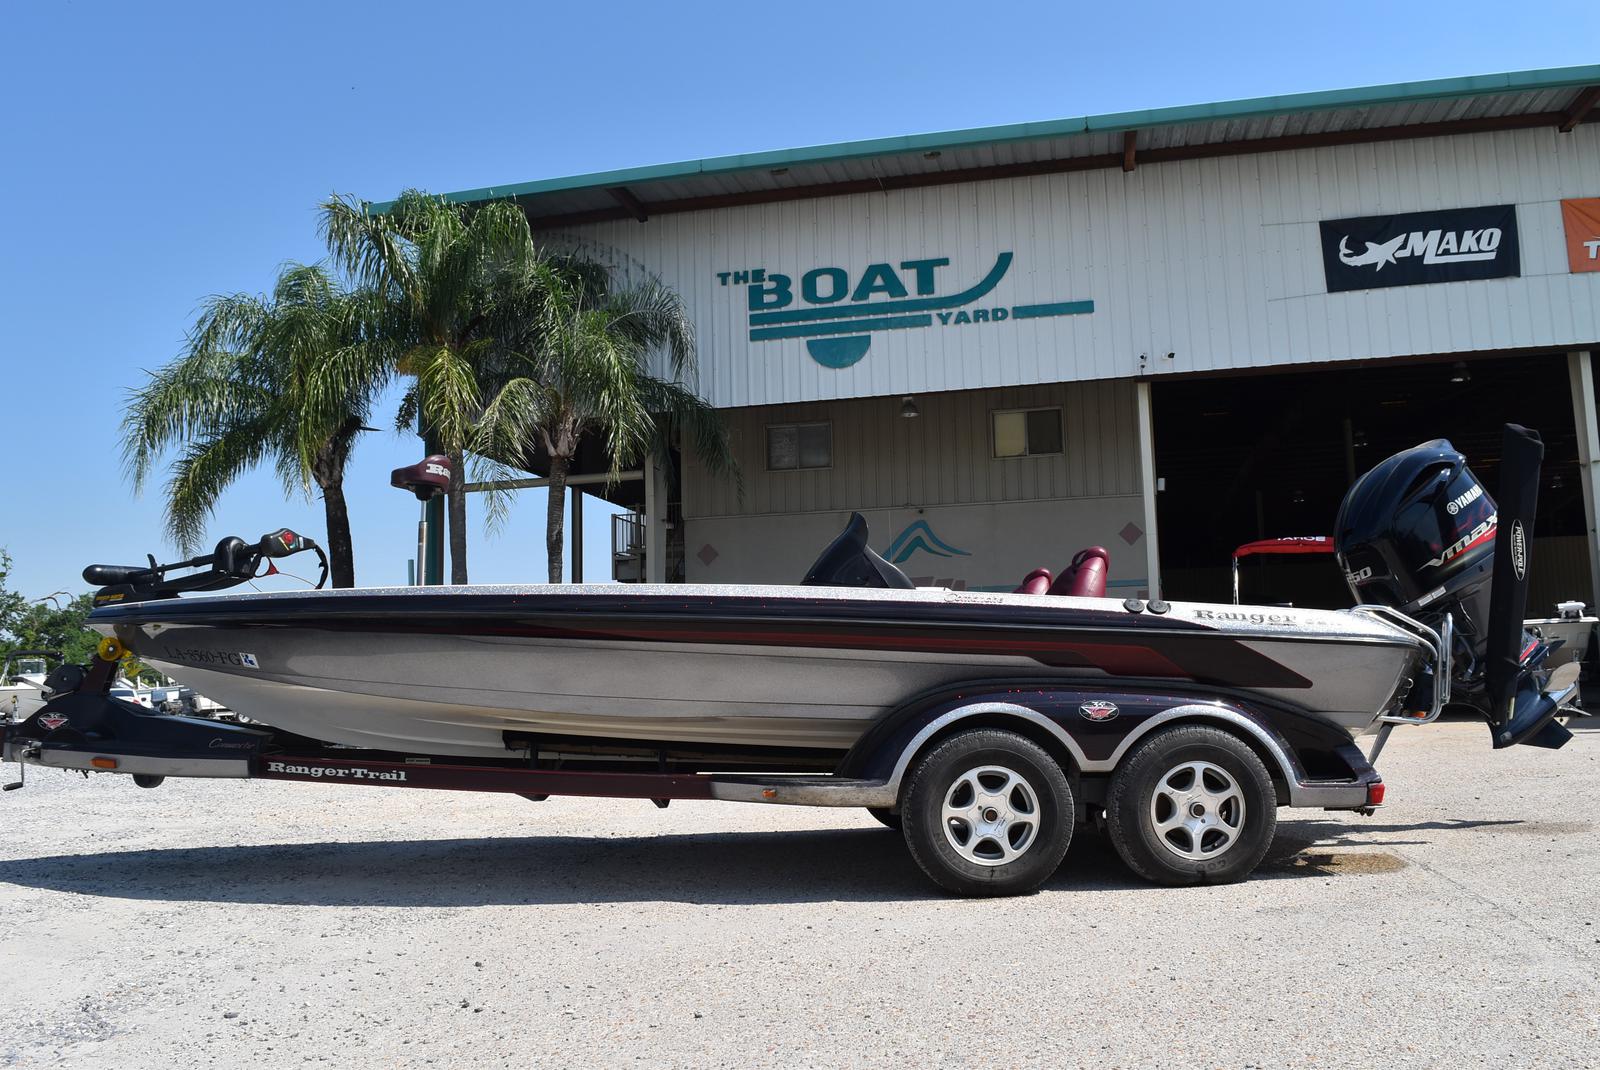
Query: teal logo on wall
column 838, row 314
column 919, row 536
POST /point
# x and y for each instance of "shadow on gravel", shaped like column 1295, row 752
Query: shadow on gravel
column 860, row 865
column 734, row 868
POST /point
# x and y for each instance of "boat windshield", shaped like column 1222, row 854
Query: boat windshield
column 24, row 667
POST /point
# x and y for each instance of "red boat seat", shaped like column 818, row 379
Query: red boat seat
column 1086, row 576
column 1035, row 582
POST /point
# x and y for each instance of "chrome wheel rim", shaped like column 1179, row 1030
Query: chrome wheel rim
column 1198, row 811
column 990, row 815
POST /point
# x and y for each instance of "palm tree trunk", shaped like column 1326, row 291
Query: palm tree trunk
column 555, row 517
column 341, row 552
column 458, row 517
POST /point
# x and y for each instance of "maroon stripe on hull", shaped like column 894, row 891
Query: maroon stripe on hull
column 1119, row 644
column 1205, row 658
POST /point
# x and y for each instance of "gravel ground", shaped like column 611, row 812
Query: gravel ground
column 228, row 924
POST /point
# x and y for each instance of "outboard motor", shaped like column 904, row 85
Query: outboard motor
column 1420, row 534
column 1417, row 534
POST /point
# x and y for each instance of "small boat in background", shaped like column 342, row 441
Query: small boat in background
column 22, row 679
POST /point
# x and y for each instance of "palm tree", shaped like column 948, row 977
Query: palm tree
column 440, row 269
column 576, row 362
column 289, row 379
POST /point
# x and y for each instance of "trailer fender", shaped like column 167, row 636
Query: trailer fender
column 1091, row 743
column 990, row 713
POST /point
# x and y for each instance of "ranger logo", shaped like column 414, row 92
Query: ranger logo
column 1098, row 710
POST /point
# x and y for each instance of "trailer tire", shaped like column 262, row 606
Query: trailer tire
column 1192, row 805
column 886, row 817
column 987, row 813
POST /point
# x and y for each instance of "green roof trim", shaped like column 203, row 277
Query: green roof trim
column 1290, row 103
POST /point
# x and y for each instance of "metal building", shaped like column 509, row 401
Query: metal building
column 1166, row 332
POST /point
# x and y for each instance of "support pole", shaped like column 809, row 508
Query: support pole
column 1147, row 481
column 433, row 540
column 432, row 563
column 1580, row 373
column 655, row 528
column 576, row 528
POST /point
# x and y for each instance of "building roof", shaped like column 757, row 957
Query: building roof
column 1559, row 98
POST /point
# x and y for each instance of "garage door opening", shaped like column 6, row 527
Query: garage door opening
column 1266, row 456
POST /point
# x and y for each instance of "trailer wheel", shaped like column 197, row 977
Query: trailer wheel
column 885, row 817
column 987, row 813
column 1192, row 805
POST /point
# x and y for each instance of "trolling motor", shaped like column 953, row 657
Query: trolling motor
column 233, row 562
column 1419, row 534
column 84, row 727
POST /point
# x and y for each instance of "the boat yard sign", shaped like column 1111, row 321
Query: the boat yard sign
column 1582, row 220
column 1420, row 247
column 837, row 312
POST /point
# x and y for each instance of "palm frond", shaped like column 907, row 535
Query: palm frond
column 497, row 500
column 701, row 427
column 448, row 391
column 513, row 420
column 653, row 317
column 206, row 467
column 405, row 417
column 194, row 396
column 371, row 248
column 286, row 379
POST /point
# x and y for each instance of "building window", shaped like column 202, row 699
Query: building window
column 1027, row 432
column 792, row 446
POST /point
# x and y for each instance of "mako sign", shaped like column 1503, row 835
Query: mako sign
column 837, row 311
column 1420, row 247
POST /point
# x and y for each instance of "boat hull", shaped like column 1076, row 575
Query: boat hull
column 458, row 671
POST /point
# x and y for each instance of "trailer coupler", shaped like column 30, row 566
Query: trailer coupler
column 93, row 732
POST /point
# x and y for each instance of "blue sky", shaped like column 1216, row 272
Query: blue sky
column 157, row 153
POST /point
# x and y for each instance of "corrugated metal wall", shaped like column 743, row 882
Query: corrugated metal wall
column 1216, row 261
column 943, row 457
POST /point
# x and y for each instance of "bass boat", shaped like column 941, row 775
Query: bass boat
column 985, row 726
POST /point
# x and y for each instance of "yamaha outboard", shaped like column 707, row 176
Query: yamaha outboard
column 1420, row 534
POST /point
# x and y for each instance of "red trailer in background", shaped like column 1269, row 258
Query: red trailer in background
column 1571, row 624
column 1288, row 544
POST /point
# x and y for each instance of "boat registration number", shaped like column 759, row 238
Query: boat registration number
column 195, row 655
